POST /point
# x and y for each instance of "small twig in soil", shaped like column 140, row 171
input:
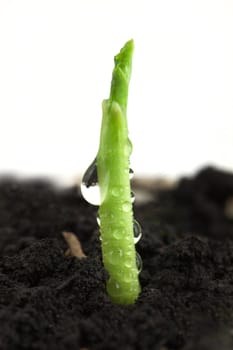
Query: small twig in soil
column 75, row 248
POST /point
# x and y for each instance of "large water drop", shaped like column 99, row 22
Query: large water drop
column 138, row 262
column 137, row 231
column 89, row 186
column 90, row 176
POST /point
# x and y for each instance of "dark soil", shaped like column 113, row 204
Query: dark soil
column 51, row 301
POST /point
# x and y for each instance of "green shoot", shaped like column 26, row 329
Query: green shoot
column 115, row 212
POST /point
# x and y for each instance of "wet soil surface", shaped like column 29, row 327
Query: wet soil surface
column 49, row 300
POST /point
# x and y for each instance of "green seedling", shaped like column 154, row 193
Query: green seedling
column 110, row 171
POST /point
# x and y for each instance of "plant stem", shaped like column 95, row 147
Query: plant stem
column 115, row 212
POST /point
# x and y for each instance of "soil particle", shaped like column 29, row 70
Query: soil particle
column 52, row 301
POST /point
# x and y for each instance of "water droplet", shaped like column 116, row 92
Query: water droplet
column 91, row 194
column 126, row 207
column 138, row 262
column 117, row 191
column 98, row 219
column 117, row 285
column 132, row 197
column 127, row 276
column 128, row 148
column 111, row 216
column 137, row 231
column 128, row 263
column 128, row 254
column 118, row 233
column 131, row 173
column 89, row 186
column 113, row 256
column 90, row 177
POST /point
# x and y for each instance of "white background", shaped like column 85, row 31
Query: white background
column 56, row 60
